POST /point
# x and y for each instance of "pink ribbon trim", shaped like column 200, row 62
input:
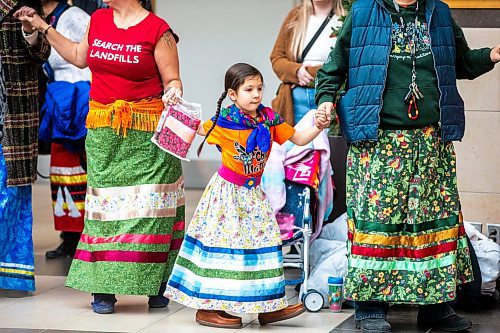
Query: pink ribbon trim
column 128, row 238
column 122, row 256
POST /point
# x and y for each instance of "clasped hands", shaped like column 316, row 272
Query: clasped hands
column 30, row 20
column 323, row 116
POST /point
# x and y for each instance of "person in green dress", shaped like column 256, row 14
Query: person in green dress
column 399, row 60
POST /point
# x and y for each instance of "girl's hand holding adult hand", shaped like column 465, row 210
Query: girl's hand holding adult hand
column 320, row 114
column 321, row 121
column 495, row 54
column 30, row 20
column 303, row 76
column 171, row 96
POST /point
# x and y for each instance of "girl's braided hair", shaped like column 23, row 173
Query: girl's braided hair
column 235, row 77
column 217, row 113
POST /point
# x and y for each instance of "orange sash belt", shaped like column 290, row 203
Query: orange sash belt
column 121, row 115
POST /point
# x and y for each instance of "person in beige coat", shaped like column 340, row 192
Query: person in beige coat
column 295, row 69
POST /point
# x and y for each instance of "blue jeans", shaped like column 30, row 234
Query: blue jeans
column 372, row 310
column 303, row 101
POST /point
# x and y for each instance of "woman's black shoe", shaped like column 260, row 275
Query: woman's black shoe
column 63, row 250
column 159, row 301
column 453, row 323
column 373, row 325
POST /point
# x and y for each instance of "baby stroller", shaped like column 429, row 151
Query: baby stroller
column 296, row 225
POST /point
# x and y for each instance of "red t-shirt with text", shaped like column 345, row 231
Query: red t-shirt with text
column 122, row 60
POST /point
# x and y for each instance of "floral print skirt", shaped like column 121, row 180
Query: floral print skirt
column 231, row 256
column 406, row 243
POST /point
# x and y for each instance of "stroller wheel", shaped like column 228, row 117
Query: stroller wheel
column 313, row 300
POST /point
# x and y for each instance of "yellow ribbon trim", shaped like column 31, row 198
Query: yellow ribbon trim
column 78, row 179
column 436, row 237
column 122, row 115
column 16, row 271
column 379, row 239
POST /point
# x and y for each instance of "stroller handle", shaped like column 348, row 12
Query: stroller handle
column 307, row 202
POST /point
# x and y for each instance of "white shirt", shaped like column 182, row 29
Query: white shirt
column 72, row 24
column 321, row 48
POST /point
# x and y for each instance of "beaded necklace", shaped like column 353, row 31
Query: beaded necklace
column 414, row 93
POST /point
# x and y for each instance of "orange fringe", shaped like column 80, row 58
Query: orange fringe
column 122, row 115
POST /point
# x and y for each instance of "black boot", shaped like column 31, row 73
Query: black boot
column 67, row 248
column 453, row 323
column 373, row 325
column 62, row 250
column 442, row 317
column 159, row 301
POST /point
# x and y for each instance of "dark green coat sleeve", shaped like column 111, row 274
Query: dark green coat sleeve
column 470, row 63
column 332, row 75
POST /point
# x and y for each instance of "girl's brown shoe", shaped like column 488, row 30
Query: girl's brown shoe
column 283, row 314
column 227, row 315
column 218, row 319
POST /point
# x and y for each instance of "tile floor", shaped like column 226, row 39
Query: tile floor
column 54, row 308
column 404, row 319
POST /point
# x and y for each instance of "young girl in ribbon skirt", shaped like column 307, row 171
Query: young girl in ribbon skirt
column 231, row 258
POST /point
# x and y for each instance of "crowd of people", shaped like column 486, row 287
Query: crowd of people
column 387, row 69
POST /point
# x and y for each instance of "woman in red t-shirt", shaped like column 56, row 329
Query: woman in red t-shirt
column 134, row 216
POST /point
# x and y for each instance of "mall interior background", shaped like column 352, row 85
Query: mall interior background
column 218, row 33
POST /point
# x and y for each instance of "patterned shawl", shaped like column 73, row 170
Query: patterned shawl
column 234, row 118
column 20, row 64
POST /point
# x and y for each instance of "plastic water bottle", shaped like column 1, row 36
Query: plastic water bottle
column 335, row 293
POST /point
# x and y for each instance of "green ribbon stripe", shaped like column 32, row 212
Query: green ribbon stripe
column 228, row 274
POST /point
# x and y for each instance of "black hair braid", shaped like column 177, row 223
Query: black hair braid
column 217, row 113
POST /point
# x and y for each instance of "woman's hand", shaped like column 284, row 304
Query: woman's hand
column 30, row 20
column 303, row 76
column 171, row 96
column 495, row 54
column 321, row 121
